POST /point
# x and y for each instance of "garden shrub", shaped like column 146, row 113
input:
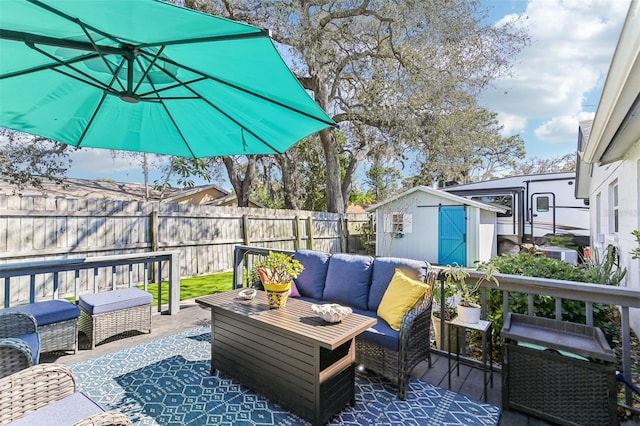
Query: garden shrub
column 594, row 271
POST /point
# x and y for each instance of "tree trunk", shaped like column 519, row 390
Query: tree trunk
column 348, row 181
column 241, row 185
column 335, row 202
column 290, row 195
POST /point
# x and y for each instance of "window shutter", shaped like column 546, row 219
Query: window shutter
column 388, row 218
column 407, row 223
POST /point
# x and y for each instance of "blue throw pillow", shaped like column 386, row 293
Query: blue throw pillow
column 383, row 270
column 310, row 283
column 348, row 280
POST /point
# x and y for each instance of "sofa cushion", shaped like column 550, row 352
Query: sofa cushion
column 310, row 283
column 380, row 334
column 114, row 300
column 348, row 280
column 33, row 340
column 50, row 311
column 383, row 270
column 65, row 411
column 401, row 295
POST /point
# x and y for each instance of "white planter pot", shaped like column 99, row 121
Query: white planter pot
column 469, row 315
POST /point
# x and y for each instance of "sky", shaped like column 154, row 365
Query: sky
column 555, row 82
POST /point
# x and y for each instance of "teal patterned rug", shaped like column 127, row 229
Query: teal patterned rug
column 167, row 382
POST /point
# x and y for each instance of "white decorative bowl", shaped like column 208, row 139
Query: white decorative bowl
column 248, row 294
column 331, row 312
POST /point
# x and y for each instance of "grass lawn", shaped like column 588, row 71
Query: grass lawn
column 191, row 288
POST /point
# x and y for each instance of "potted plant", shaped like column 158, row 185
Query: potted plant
column 466, row 294
column 276, row 272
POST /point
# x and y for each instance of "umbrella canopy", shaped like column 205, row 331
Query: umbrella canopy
column 147, row 76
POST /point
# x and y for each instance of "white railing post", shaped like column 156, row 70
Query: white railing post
column 174, row 283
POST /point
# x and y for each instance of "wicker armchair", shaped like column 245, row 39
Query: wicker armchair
column 414, row 344
column 15, row 353
column 41, row 385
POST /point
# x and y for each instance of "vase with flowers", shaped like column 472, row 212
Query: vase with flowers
column 276, row 272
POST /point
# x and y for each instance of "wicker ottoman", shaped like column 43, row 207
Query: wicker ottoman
column 57, row 324
column 103, row 315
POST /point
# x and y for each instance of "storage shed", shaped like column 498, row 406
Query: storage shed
column 428, row 224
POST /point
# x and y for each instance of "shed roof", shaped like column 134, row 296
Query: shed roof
column 441, row 194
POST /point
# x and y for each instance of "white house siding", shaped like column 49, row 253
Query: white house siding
column 609, row 152
column 627, row 174
column 416, row 244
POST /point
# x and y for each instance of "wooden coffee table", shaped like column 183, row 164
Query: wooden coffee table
column 288, row 355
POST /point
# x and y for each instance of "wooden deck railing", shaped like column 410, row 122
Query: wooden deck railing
column 54, row 268
column 590, row 294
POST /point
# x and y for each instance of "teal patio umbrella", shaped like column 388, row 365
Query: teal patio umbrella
column 147, row 76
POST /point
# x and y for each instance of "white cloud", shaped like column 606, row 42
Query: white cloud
column 512, row 124
column 562, row 129
column 572, row 42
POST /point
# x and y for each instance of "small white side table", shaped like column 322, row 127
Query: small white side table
column 486, row 329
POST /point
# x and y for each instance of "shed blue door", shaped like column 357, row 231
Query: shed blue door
column 452, row 233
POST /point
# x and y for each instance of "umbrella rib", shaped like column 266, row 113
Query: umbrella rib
column 98, row 83
column 148, row 69
column 242, row 127
column 173, row 86
column 101, row 87
column 48, row 66
column 260, row 33
column 93, row 116
column 249, row 92
column 72, row 19
column 95, row 46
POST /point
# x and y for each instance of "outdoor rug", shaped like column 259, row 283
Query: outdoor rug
column 167, row 382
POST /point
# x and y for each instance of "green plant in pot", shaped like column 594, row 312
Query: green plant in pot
column 456, row 284
column 276, row 271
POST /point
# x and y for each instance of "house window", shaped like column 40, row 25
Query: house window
column 598, row 218
column 542, row 204
column 398, row 223
column 614, row 215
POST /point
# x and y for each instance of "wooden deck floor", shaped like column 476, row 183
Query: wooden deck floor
column 191, row 315
column 470, row 383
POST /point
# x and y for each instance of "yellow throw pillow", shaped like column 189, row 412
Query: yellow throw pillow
column 402, row 294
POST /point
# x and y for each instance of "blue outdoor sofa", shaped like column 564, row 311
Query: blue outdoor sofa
column 360, row 282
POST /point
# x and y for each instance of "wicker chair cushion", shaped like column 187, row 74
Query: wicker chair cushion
column 66, row 411
column 380, row 334
column 310, row 282
column 348, row 280
column 401, row 296
column 114, row 300
column 383, row 270
column 50, row 311
column 33, row 340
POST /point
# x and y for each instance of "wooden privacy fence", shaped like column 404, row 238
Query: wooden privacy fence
column 39, row 228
